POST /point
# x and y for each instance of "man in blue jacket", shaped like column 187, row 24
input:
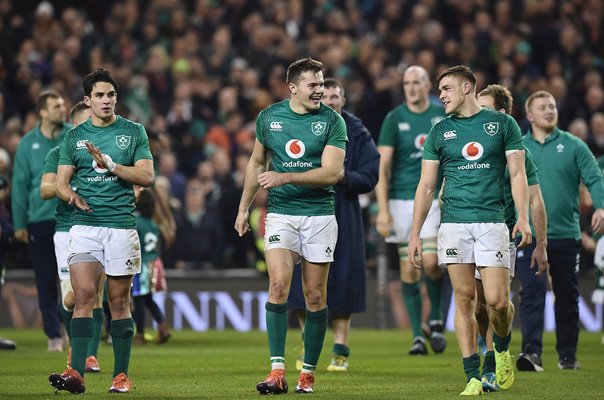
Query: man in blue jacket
column 346, row 283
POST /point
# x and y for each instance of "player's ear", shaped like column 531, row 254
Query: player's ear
column 86, row 100
column 466, row 88
column 292, row 88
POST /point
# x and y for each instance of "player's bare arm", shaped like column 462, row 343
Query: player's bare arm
column 64, row 191
column 539, row 216
column 383, row 221
column 520, row 194
column 421, row 206
column 255, row 167
column 140, row 174
column 332, row 162
column 48, row 186
column 597, row 221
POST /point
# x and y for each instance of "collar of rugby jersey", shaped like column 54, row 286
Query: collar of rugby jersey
column 550, row 138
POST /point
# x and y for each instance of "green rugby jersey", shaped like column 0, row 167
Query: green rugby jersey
column 471, row 152
column 26, row 204
column 296, row 143
column 532, row 178
column 149, row 236
column 564, row 161
column 63, row 210
column 110, row 198
column 406, row 132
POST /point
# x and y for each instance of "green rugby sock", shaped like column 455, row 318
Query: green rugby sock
column 502, row 343
column 471, row 366
column 341, row 350
column 434, row 287
column 315, row 327
column 121, row 334
column 97, row 322
column 81, row 334
column 276, row 328
column 413, row 303
column 489, row 362
column 66, row 316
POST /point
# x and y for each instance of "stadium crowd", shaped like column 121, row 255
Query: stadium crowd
column 196, row 73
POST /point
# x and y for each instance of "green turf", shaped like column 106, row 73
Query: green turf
column 227, row 365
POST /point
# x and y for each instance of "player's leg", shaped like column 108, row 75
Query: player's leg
column 410, row 278
column 493, row 256
column 122, row 262
column 485, row 330
column 456, row 251
column 139, row 316
column 340, row 323
column 433, row 278
column 85, row 272
column 564, row 256
column 318, row 237
column 158, row 316
column 92, row 364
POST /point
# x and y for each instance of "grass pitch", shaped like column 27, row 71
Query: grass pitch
column 228, row 364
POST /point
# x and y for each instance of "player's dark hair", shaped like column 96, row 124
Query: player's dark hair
column 501, row 95
column 77, row 108
column 459, row 71
column 297, row 68
column 100, row 75
column 41, row 101
column 333, row 83
column 146, row 203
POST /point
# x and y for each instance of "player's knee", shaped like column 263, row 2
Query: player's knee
column 278, row 291
column 69, row 301
column 85, row 297
column 119, row 305
column 314, row 298
column 500, row 305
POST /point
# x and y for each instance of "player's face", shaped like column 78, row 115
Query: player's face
column 80, row 117
column 308, row 91
column 451, row 93
column 102, row 100
column 54, row 111
column 333, row 98
column 416, row 86
column 487, row 101
column 543, row 113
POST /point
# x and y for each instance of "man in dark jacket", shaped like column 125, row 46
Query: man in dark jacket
column 346, row 283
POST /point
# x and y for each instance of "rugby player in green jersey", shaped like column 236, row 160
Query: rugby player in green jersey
column 103, row 234
column 401, row 146
column 499, row 98
column 48, row 190
column 564, row 161
column 306, row 141
column 472, row 147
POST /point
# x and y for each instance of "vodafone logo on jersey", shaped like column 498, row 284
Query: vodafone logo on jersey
column 295, row 149
column 472, row 151
column 420, row 140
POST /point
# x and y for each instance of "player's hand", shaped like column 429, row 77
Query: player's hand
column 597, row 221
column 242, row 225
column 80, row 203
column 415, row 252
column 96, row 154
column 271, row 179
column 522, row 227
column 383, row 223
column 22, row 235
column 539, row 258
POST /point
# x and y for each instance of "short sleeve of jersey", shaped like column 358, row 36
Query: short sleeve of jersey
column 337, row 136
column 430, row 147
column 51, row 162
column 531, row 170
column 64, row 153
column 259, row 124
column 513, row 136
column 142, row 151
column 388, row 133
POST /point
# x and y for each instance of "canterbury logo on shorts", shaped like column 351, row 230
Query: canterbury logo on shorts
column 452, row 252
column 274, row 238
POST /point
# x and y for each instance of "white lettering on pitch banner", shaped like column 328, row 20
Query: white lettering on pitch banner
column 244, row 311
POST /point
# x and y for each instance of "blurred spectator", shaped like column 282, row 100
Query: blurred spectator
column 168, row 167
column 199, row 232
